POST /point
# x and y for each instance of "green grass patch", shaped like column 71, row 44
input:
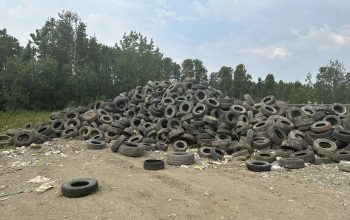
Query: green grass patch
column 19, row 119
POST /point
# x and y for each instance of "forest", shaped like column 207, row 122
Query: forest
column 62, row 66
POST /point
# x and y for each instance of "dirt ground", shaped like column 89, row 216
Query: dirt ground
column 127, row 191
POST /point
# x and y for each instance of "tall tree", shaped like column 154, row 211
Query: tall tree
column 225, row 79
column 194, row 68
column 241, row 81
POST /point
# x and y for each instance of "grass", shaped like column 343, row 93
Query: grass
column 19, row 119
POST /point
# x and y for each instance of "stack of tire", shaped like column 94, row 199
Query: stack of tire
column 187, row 114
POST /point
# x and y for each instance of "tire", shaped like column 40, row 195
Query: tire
column 321, row 126
column 268, row 110
column 258, row 165
column 261, row 142
column 153, row 164
column 70, row 132
column 285, row 153
column 85, row 132
column 57, row 126
column 131, row 149
column 175, row 134
column 261, row 126
column 344, row 154
column 90, row 116
column 344, row 166
column 79, row 187
column 321, row 145
column 217, row 153
column 284, row 124
column 23, row 138
column 204, row 152
column 276, row 135
column 342, row 135
column 291, row 163
column 180, row 146
column 5, row 140
column 40, row 138
column 306, row 155
column 180, row 158
column 338, row 108
column 268, row 100
column 161, row 146
column 95, row 144
column 333, row 119
column 319, row 159
column 135, row 139
column 249, row 99
column 44, row 129
column 210, row 120
column 265, row 156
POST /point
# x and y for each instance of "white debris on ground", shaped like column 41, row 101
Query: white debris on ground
column 39, row 179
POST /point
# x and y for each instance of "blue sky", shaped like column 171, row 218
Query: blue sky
column 286, row 38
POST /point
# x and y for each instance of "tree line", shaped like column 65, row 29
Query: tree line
column 62, row 66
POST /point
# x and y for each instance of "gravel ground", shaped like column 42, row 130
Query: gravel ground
column 206, row 190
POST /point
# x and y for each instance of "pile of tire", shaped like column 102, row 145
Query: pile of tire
column 191, row 115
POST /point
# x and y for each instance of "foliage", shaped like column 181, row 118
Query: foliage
column 62, row 66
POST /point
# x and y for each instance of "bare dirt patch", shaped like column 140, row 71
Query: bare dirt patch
column 127, row 191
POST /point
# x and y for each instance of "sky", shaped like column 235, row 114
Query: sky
column 286, row 38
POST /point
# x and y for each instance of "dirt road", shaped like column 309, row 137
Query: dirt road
column 127, row 191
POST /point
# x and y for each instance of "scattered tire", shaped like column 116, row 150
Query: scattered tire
column 153, row 164
column 131, row 149
column 23, row 138
column 258, row 165
column 95, row 144
column 79, row 187
column 291, row 163
column 180, row 158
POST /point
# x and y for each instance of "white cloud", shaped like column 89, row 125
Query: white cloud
column 270, row 52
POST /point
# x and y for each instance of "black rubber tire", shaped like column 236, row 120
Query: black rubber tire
column 261, row 142
column 131, row 149
column 321, row 145
column 338, row 108
column 342, row 135
column 268, row 100
column 40, row 138
column 285, row 153
column 180, row 158
column 344, row 154
column 5, row 140
column 265, row 156
column 321, row 126
column 135, row 139
column 258, row 165
column 291, row 163
column 153, row 164
column 285, row 124
column 70, row 132
column 306, row 155
column 333, row 119
column 199, row 110
column 180, row 146
column 320, row 159
column 161, row 146
column 85, row 132
column 116, row 144
column 57, row 126
column 217, row 153
column 79, row 187
column 276, row 135
column 90, row 116
column 44, row 129
column 204, row 152
column 210, row 120
column 19, row 141
column 95, row 144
